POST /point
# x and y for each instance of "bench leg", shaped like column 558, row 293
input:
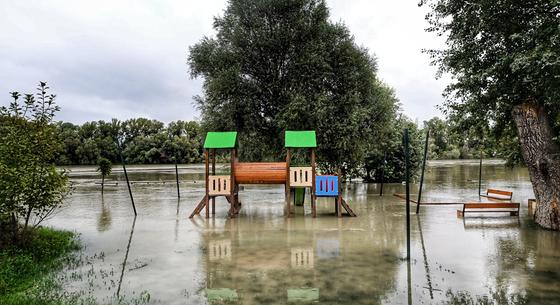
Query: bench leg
column 515, row 213
column 460, row 214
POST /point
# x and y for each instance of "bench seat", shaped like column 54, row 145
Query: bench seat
column 498, row 194
column 489, row 207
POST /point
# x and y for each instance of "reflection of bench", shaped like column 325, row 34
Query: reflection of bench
column 489, row 207
column 498, row 194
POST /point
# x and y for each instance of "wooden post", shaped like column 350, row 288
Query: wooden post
column 423, row 169
column 206, row 172
column 339, row 198
column 233, row 185
column 313, row 197
column 288, row 190
column 213, row 173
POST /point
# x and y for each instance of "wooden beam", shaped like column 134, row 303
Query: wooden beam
column 288, row 191
column 206, row 172
column 213, row 173
column 348, row 209
column 339, row 198
column 198, row 207
column 313, row 197
column 233, row 203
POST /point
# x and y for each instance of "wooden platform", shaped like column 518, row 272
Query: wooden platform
column 445, row 202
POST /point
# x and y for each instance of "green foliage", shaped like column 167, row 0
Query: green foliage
column 500, row 54
column 144, row 142
column 105, row 166
column 279, row 65
column 28, row 271
column 31, row 187
column 22, row 265
column 394, row 168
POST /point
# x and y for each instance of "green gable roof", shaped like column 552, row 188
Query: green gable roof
column 300, row 138
column 222, row 139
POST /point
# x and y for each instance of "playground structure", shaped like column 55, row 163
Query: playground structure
column 266, row 173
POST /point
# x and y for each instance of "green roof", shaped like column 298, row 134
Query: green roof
column 221, row 139
column 304, row 138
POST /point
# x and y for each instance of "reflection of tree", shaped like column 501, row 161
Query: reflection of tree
column 532, row 253
column 264, row 261
column 104, row 221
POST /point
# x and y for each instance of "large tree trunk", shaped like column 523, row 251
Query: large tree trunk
column 542, row 157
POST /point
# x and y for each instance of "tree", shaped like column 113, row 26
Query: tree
column 392, row 152
column 105, row 168
column 31, row 187
column 504, row 57
column 279, row 65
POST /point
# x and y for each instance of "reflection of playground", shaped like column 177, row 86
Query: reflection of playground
column 297, row 261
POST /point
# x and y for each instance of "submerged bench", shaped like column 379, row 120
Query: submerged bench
column 489, row 207
column 498, row 194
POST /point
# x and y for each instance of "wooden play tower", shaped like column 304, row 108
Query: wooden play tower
column 265, row 173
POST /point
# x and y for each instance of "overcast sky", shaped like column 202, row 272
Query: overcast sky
column 127, row 58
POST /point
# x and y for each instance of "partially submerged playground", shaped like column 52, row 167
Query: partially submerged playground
column 299, row 178
column 294, row 178
column 243, row 221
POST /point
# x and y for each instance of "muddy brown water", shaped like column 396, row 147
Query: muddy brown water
column 261, row 257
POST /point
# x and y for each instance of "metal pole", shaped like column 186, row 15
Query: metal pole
column 177, row 178
column 480, row 174
column 127, row 181
column 383, row 172
column 423, row 169
column 407, row 179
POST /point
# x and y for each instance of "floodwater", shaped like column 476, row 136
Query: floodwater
column 261, row 257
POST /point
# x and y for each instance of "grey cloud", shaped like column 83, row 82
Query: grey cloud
column 127, row 58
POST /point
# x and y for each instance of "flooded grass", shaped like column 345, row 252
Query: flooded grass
column 261, row 257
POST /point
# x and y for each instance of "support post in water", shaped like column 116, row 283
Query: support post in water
column 407, row 183
column 480, row 174
column 423, row 169
column 127, row 181
column 383, row 172
column 177, row 178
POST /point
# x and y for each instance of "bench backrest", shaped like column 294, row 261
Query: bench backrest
column 499, row 192
column 499, row 205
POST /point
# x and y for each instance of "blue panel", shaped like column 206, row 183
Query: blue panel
column 326, row 186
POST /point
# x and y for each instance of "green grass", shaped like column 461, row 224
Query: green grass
column 27, row 272
column 38, row 255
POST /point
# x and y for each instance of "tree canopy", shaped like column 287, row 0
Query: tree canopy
column 504, row 57
column 500, row 54
column 277, row 65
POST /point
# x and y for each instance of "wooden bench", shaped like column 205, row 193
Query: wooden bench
column 498, row 194
column 489, row 207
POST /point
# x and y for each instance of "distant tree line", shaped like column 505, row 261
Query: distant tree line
column 143, row 141
column 449, row 139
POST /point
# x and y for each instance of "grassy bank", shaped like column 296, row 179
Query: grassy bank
column 24, row 268
column 27, row 271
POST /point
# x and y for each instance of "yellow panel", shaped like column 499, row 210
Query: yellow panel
column 300, row 176
column 219, row 185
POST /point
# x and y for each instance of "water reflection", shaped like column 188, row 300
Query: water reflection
column 263, row 258
column 126, row 256
column 104, row 220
